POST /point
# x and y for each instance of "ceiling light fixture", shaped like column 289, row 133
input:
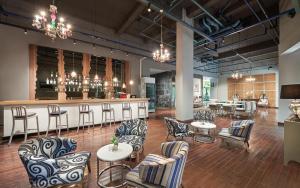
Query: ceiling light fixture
column 54, row 27
column 162, row 55
column 149, row 7
column 73, row 73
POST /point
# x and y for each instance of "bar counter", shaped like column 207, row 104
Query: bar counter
column 40, row 107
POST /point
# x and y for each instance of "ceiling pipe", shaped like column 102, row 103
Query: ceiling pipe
column 266, row 15
column 258, row 19
column 241, row 63
column 207, row 13
column 291, row 12
column 179, row 20
column 222, row 62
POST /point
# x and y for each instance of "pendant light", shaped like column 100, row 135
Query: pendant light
column 96, row 75
column 162, row 55
column 73, row 73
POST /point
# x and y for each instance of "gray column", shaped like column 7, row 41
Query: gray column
column 184, row 70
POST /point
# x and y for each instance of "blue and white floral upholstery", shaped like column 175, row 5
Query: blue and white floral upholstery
column 164, row 170
column 178, row 129
column 50, row 161
column 132, row 132
column 239, row 130
column 204, row 115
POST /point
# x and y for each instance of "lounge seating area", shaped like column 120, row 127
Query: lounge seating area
column 150, row 94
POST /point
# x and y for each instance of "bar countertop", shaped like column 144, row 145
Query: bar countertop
column 76, row 101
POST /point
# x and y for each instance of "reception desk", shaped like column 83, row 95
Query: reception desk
column 40, row 107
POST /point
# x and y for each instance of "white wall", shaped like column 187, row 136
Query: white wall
column 14, row 61
column 289, row 65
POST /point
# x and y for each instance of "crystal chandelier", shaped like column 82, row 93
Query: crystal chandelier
column 236, row 75
column 161, row 55
column 54, row 27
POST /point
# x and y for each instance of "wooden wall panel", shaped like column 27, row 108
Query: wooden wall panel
column 270, row 77
column 259, row 86
column 259, row 78
column 270, row 86
column 109, row 76
column 86, row 67
column 32, row 71
column 264, row 83
column 61, row 72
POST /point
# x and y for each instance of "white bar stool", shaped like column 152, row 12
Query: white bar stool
column 142, row 108
column 84, row 109
column 20, row 113
column 126, row 108
column 106, row 108
column 54, row 111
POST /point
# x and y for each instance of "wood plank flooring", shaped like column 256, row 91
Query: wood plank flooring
column 208, row 165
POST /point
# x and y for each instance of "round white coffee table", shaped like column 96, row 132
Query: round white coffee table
column 116, row 171
column 201, row 125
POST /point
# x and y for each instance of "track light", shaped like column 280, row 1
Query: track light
column 94, row 46
column 74, row 42
column 25, row 31
column 127, row 54
column 111, row 51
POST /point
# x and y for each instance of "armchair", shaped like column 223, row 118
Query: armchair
column 239, row 131
column 50, row 161
column 204, row 115
column 177, row 129
column 165, row 170
column 133, row 132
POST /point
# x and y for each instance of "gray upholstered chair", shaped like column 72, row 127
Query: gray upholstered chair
column 238, row 131
column 164, row 170
column 178, row 129
column 133, row 132
column 52, row 161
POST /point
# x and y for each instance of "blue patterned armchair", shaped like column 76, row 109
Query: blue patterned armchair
column 204, row 115
column 50, row 161
column 239, row 131
column 133, row 132
column 164, row 170
column 177, row 129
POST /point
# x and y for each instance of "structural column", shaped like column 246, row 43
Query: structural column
column 61, row 72
column 32, row 71
column 86, row 64
column 108, row 77
column 184, row 70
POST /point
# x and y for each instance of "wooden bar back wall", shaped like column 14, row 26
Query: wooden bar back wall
column 264, row 83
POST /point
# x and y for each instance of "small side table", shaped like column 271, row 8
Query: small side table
column 106, row 154
column 205, row 138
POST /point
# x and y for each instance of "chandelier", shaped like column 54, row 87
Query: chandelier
column 161, row 55
column 236, row 75
column 54, row 27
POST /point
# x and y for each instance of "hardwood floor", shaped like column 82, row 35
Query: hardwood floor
column 208, row 165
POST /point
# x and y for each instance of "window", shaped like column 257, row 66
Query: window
column 73, row 62
column 47, row 73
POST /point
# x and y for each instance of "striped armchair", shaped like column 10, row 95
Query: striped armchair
column 164, row 170
column 51, row 162
column 239, row 131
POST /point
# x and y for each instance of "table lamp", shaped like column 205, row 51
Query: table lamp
column 292, row 92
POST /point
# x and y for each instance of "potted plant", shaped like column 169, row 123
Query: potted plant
column 115, row 143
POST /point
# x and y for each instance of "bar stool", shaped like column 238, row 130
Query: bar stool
column 54, row 111
column 126, row 107
column 106, row 108
column 142, row 108
column 20, row 113
column 84, row 109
